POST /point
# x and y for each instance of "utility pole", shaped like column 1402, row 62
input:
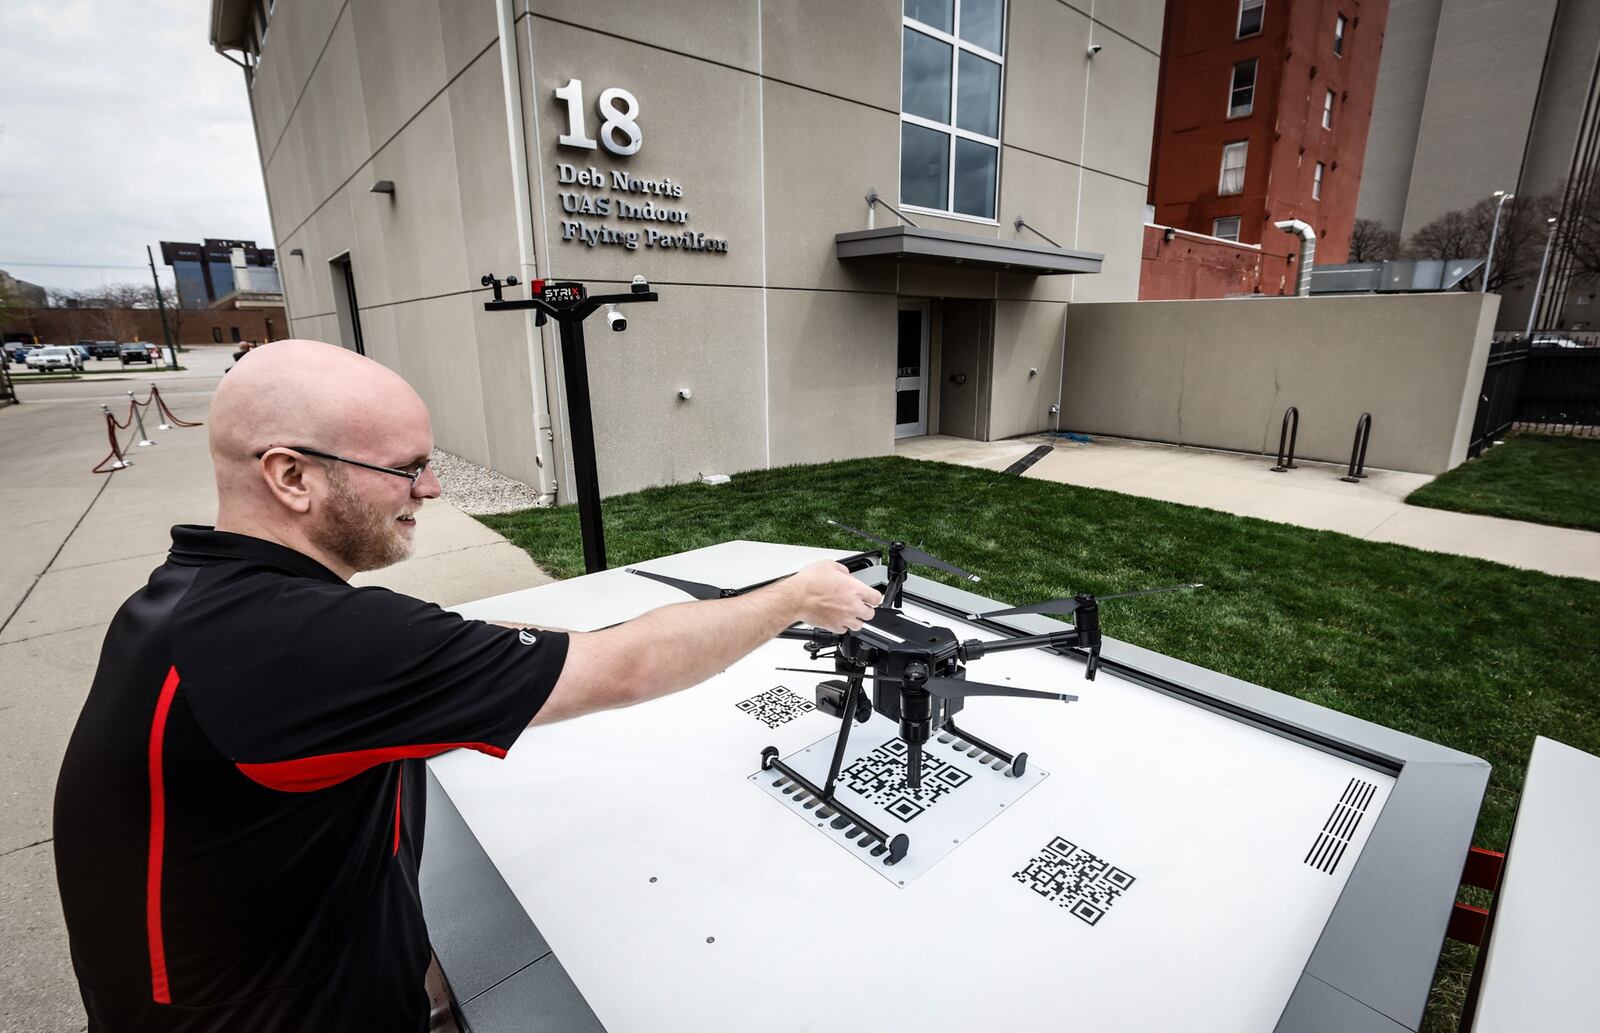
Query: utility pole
column 161, row 305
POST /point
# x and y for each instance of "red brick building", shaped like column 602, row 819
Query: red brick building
column 1262, row 116
column 205, row 326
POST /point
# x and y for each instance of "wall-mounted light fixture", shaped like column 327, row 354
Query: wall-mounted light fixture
column 383, row 186
column 1168, row 233
column 295, row 252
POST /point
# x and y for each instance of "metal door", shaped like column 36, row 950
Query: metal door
column 911, row 371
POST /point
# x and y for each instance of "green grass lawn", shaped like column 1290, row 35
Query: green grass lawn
column 1536, row 477
column 1471, row 654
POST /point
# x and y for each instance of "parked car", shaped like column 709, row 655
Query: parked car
column 55, row 357
column 134, row 351
column 1553, row 341
column 15, row 350
column 103, row 349
column 83, row 350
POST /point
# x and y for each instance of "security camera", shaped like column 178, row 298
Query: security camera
column 640, row 285
column 618, row 321
column 1095, row 48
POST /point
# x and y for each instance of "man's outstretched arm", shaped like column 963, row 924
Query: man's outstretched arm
column 682, row 645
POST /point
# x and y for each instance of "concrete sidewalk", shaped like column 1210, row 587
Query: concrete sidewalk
column 1311, row 496
column 77, row 545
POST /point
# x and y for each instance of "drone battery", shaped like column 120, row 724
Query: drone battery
column 831, row 696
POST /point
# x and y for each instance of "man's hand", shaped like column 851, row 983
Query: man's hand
column 828, row 596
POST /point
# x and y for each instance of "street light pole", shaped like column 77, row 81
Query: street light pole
column 1488, row 263
column 166, row 331
column 1538, row 290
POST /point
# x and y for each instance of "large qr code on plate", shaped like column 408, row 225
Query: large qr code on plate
column 1075, row 879
column 880, row 777
column 777, row 706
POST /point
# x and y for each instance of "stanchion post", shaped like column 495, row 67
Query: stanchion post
column 111, row 432
column 144, row 438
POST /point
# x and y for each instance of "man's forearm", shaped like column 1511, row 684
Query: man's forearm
column 686, row 643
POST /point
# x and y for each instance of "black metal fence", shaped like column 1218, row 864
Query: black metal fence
column 1547, row 384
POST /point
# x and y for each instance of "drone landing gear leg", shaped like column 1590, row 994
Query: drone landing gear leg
column 896, row 846
column 1019, row 763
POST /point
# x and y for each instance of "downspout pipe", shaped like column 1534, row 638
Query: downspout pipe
column 1308, row 250
column 527, row 268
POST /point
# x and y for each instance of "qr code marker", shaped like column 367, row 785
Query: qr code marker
column 1073, row 878
column 777, row 706
column 880, row 778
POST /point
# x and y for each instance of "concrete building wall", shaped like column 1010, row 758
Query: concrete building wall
column 1220, row 374
column 1483, row 86
column 1476, row 96
column 775, row 118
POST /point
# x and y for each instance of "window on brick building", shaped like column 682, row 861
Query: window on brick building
column 1233, row 158
column 1327, row 110
column 1242, row 93
column 216, row 335
column 1250, row 12
column 1227, row 227
column 1316, row 182
column 1338, row 36
column 235, row 332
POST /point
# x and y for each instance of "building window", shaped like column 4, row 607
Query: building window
column 1316, row 183
column 1242, row 95
column 1227, row 228
column 1338, row 36
column 1233, row 155
column 1327, row 110
column 950, row 81
column 216, row 335
column 1250, row 12
column 234, row 331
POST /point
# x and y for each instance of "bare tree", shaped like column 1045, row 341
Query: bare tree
column 1370, row 242
column 1465, row 233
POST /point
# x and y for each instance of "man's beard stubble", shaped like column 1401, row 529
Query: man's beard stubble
column 360, row 534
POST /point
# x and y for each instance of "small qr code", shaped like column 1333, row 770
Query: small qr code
column 777, row 706
column 1075, row 879
column 880, row 777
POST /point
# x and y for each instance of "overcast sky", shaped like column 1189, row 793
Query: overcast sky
column 119, row 127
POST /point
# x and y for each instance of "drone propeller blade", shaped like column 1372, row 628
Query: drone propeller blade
column 693, row 588
column 911, row 555
column 1066, row 606
column 955, row 688
column 860, row 534
column 929, row 560
column 951, row 688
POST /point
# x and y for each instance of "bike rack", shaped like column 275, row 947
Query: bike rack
column 1291, row 432
column 1358, row 450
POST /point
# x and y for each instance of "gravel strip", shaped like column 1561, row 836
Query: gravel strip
column 477, row 490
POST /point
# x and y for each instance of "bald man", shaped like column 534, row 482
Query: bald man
column 239, row 815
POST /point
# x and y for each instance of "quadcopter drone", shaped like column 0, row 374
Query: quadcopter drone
column 917, row 670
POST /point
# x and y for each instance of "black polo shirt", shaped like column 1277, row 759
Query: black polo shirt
column 239, row 817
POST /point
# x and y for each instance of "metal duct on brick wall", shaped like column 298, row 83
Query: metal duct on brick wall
column 1308, row 250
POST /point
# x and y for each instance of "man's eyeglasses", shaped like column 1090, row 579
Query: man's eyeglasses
column 411, row 475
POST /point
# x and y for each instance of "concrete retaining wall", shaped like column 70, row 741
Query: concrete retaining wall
column 1219, row 374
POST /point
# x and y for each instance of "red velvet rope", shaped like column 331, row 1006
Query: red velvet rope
column 116, row 449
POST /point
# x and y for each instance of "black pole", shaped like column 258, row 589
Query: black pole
column 166, row 331
column 575, row 365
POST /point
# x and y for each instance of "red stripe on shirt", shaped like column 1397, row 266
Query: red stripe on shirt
column 308, row 774
column 399, row 784
column 159, row 990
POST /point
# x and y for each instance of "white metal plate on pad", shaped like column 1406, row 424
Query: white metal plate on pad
column 960, row 794
column 1173, row 872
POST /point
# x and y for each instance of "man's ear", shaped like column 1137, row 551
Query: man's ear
column 284, row 474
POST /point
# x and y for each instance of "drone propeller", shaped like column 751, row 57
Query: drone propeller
column 693, row 588
column 952, row 688
column 911, row 555
column 1066, row 606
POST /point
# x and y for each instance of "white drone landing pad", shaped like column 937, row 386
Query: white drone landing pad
column 963, row 789
column 1173, row 872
